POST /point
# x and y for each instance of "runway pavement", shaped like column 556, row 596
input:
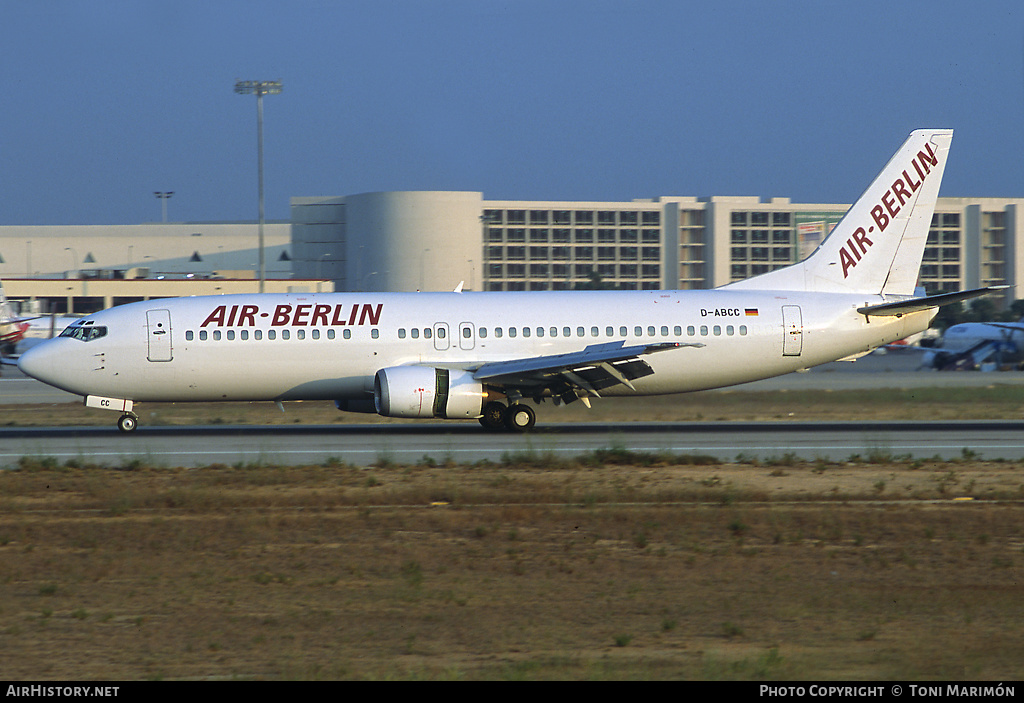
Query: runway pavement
column 467, row 442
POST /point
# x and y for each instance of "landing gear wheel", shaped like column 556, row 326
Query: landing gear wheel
column 127, row 423
column 520, row 418
column 493, row 417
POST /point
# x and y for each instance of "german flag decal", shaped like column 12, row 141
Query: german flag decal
column 751, row 312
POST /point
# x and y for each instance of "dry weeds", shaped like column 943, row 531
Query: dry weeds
column 570, row 571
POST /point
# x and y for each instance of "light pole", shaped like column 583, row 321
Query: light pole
column 163, row 195
column 259, row 89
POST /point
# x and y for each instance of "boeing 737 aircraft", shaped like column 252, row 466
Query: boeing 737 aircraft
column 482, row 355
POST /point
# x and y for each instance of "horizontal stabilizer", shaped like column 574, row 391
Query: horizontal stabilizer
column 904, row 307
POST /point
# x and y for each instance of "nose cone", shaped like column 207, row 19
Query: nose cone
column 43, row 362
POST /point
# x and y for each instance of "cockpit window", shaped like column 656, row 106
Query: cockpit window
column 83, row 333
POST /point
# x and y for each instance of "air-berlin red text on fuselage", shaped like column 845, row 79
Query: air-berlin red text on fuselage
column 303, row 315
column 892, row 200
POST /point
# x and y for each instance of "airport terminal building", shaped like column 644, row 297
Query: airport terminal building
column 423, row 240
column 433, row 240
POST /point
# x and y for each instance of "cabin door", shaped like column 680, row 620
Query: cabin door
column 158, row 329
column 793, row 330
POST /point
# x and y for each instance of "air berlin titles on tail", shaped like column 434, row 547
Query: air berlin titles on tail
column 305, row 315
column 892, row 200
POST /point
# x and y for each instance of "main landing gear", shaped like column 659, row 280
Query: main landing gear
column 517, row 417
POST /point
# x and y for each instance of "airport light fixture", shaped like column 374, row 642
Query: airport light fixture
column 163, row 195
column 259, row 89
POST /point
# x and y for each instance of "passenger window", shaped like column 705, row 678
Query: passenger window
column 511, row 331
column 482, row 332
column 664, row 331
column 189, row 335
column 650, row 331
column 579, row 332
column 567, row 331
column 718, row 330
column 231, row 335
column 467, row 333
column 216, row 335
column 441, row 332
column 526, row 331
column 285, row 334
column 743, row 330
column 375, row 333
column 315, row 334
column 554, row 331
column 623, row 331
column 300, row 334
column 609, row 331
column 594, row 332
column 414, row 333
column 703, row 330
column 498, row 332
column 244, row 335
column 401, row 333
column 256, row 334
column 638, row 331
column 347, row 334
column 271, row 334
column 426, row 333
column 730, row 330
column 677, row 331
column 203, row 335
column 540, row 331
column 691, row 330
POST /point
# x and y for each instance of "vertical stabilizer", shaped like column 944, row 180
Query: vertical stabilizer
column 877, row 247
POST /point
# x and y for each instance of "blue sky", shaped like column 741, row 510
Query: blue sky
column 105, row 102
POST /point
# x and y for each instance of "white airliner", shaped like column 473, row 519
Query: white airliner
column 23, row 332
column 968, row 344
column 481, row 355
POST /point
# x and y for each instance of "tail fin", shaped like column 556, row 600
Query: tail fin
column 878, row 245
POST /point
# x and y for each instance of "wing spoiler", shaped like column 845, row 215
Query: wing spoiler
column 904, row 307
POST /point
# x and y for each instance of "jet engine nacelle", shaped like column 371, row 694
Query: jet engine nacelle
column 422, row 391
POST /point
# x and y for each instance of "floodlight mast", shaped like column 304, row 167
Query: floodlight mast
column 163, row 195
column 259, row 89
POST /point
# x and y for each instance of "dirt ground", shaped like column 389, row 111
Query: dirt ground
column 610, row 567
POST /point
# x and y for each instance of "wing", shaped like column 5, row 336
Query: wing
column 576, row 374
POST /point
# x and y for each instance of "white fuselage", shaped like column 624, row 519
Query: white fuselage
column 329, row 346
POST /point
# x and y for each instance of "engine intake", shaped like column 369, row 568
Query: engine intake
column 422, row 391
